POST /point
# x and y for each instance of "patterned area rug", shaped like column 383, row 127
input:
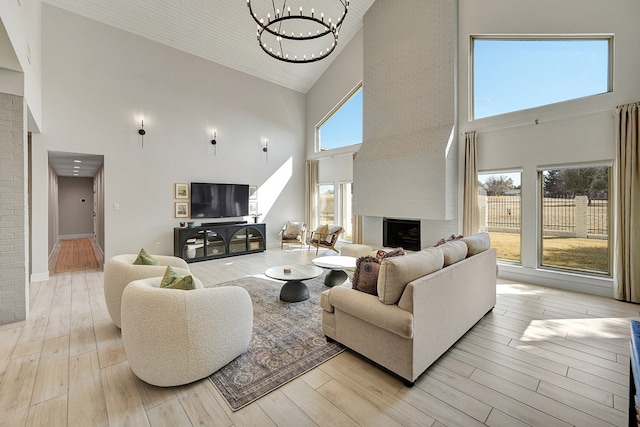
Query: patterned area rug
column 287, row 341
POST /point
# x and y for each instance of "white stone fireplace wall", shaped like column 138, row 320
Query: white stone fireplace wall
column 407, row 165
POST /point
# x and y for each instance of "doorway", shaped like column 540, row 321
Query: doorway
column 76, row 203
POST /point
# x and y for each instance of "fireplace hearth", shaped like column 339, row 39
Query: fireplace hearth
column 403, row 233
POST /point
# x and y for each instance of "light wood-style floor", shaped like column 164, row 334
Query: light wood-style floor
column 543, row 357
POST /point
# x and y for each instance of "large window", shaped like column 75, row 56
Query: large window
column 511, row 74
column 575, row 215
column 500, row 211
column 343, row 125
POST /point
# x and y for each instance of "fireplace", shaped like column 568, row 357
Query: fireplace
column 403, row 233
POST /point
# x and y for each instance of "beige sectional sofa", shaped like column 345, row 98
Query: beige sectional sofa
column 426, row 301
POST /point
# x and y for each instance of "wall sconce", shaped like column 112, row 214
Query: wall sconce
column 214, row 143
column 265, row 149
column 141, row 132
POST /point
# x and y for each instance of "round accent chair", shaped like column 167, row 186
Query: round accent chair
column 120, row 270
column 174, row 337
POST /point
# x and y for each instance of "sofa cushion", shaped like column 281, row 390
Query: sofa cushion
column 396, row 272
column 453, row 251
column 477, row 243
column 365, row 278
column 144, row 258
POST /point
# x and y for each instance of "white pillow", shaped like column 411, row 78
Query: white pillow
column 293, row 228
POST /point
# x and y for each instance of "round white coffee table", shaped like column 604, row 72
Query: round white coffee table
column 294, row 290
column 337, row 264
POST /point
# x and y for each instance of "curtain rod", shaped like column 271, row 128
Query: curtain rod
column 538, row 121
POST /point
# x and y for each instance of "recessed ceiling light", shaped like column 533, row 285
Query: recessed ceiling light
column 78, row 161
column 76, row 167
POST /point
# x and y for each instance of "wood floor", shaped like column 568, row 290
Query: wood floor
column 543, row 357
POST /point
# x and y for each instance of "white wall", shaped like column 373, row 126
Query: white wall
column 21, row 21
column 98, row 82
column 75, row 204
column 569, row 132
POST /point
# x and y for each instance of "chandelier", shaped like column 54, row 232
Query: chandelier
column 291, row 31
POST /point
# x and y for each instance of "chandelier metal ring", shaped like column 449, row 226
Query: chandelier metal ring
column 272, row 25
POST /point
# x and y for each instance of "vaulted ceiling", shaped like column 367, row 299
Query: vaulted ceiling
column 221, row 31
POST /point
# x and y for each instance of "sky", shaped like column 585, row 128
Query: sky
column 511, row 75
column 515, row 177
column 345, row 126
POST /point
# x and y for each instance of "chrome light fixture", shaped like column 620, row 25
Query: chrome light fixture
column 292, row 33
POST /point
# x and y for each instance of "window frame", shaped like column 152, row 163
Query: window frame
column 518, row 170
column 318, row 143
column 540, row 219
column 532, row 37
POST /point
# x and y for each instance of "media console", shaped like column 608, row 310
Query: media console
column 218, row 241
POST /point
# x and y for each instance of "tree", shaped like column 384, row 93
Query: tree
column 497, row 186
column 552, row 182
column 585, row 181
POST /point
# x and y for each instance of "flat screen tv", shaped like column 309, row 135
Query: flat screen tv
column 219, row 200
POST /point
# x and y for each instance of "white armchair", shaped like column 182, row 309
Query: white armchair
column 173, row 337
column 120, row 270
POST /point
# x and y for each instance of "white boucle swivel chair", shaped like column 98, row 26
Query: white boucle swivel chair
column 174, row 337
column 120, row 270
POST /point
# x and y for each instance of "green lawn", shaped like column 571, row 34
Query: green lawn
column 566, row 252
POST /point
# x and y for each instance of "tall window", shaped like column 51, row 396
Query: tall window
column 343, row 125
column 326, row 193
column 575, row 215
column 500, row 211
column 511, row 74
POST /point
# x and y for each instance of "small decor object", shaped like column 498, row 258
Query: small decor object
column 253, row 192
column 191, row 224
column 214, row 142
column 182, row 224
column 181, row 190
column 141, row 132
column 182, row 209
column 287, row 270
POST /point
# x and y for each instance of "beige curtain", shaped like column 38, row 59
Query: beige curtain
column 356, row 233
column 470, row 211
column 627, row 205
column 312, row 194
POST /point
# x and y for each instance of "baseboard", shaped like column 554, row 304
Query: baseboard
column 601, row 286
column 75, row 236
column 39, row 277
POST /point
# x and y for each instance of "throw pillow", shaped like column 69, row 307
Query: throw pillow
column 453, row 251
column 394, row 252
column 477, row 243
column 293, row 229
column 172, row 280
column 145, row 259
column 448, row 239
column 321, row 232
column 365, row 278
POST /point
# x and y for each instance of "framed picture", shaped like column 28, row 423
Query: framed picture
column 253, row 208
column 253, row 192
column 182, row 190
column 182, row 209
